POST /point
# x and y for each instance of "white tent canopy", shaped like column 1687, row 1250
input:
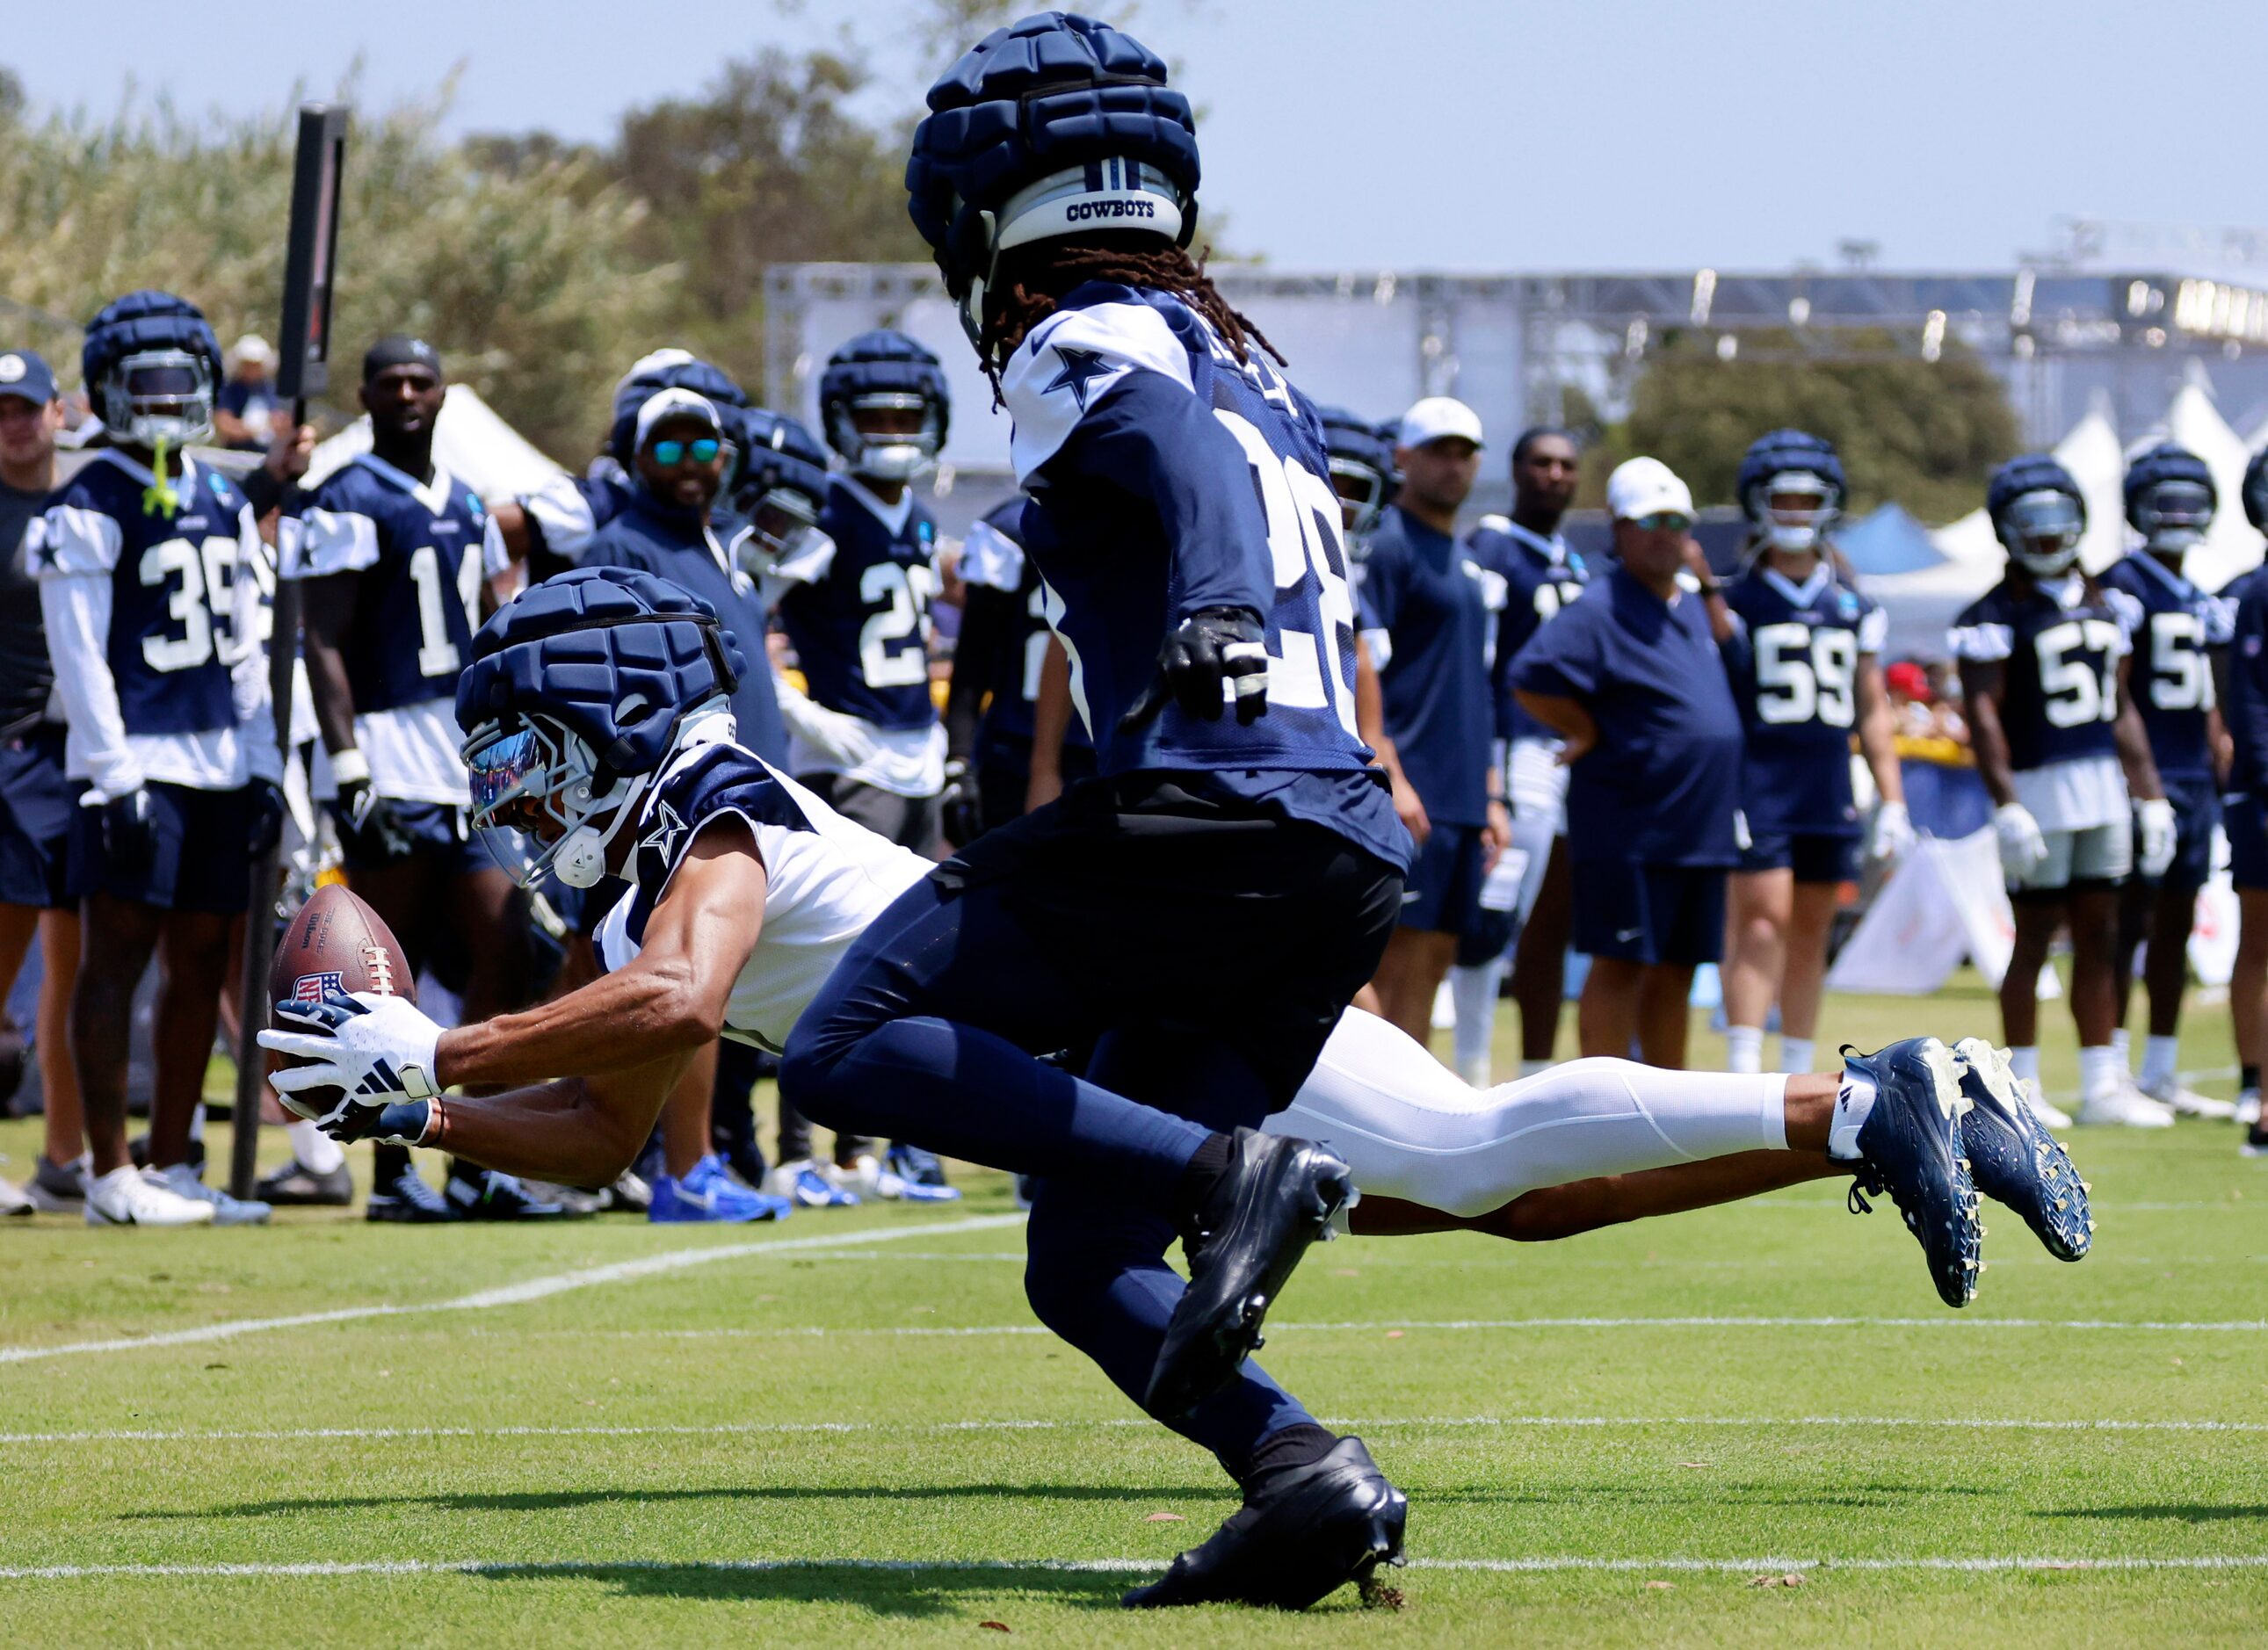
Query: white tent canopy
column 2232, row 546
column 470, row 441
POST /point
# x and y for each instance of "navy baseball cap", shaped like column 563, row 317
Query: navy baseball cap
column 25, row 376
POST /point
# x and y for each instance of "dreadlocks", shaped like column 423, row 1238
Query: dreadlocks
column 1029, row 282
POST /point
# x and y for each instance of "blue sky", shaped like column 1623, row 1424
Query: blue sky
column 1460, row 134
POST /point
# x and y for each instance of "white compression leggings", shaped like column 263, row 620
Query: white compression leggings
column 1412, row 1131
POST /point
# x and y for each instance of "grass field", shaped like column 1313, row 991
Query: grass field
column 848, row 1429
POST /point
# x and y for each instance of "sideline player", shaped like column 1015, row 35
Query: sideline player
column 1436, row 607
column 35, row 798
column 2243, row 665
column 1805, row 653
column 393, row 554
column 163, row 676
column 2044, row 663
column 1543, row 574
column 745, row 889
column 2177, row 628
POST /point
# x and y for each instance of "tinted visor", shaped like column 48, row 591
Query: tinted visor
column 162, row 381
column 2045, row 523
column 507, row 776
column 2177, row 504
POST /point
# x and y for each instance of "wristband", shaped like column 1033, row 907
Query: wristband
column 350, row 766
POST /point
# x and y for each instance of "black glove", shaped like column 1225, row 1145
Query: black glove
column 266, row 817
column 1210, row 646
column 961, row 803
column 369, row 822
column 129, row 835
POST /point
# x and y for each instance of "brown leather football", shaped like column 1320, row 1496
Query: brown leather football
column 336, row 943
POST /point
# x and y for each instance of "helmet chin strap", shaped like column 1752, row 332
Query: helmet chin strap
column 581, row 858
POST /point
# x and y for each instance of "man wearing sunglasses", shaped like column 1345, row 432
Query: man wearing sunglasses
column 679, row 456
column 1630, row 678
column 392, row 553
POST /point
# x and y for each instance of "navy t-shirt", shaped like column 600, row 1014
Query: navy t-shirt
column 2174, row 625
column 26, row 675
column 1438, row 606
column 1663, row 781
column 2246, row 712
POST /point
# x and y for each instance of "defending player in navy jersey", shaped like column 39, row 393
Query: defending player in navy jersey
column 394, row 555
column 1543, row 573
column 2044, row 665
column 2243, row 676
column 2170, row 500
column 856, row 605
column 999, row 660
column 1192, row 921
column 164, row 679
column 1436, row 605
column 1806, row 655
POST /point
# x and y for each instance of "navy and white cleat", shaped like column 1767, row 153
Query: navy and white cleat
column 1329, row 1523
column 2014, row 1160
column 1909, row 1146
column 1277, row 1196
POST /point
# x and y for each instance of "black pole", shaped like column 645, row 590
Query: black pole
column 302, row 370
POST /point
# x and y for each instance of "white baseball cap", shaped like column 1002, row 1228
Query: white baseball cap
column 254, row 348
column 1640, row 487
column 1436, row 418
column 675, row 402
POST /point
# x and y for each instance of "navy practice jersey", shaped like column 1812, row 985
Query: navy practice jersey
column 2061, row 644
column 857, row 609
column 1796, row 672
column 1540, row 577
column 2245, row 600
column 1167, row 477
column 1663, row 781
column 673, row 544
column 1438, row 607
column 993, row 557
column 416, row 550
column 172, row 571
column 2173, row 626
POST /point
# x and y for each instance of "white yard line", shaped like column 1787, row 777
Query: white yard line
column 572, row 1567
column 2248, row 1326
column 733, row 1429
column 520, row 1294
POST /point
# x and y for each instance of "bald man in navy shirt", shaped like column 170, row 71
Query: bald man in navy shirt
column 1632, row 678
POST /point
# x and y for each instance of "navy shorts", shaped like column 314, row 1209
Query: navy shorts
column 36, row 804
column 441, row 832
column 1442, row 893
column 202, row 861
column 2197, row 810
column 1649, row 913
column 2246, row 822
column 1812, row 858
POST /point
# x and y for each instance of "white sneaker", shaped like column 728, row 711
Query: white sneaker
column 2127, row 1107
column 2050, row 1115
column 2187, row 1102
column 2248, row 1107
column 183, row 1181
column 126, row 1197
column 13, row 1200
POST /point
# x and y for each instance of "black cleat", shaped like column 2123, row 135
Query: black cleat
column 1911, row 1148
column 1333, row 1522
column 1277, row 1196
column 483, row 1193
column 407, row 1200
column 2013, row 1159
column 298, row 1185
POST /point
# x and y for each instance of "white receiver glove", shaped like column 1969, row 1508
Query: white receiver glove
column 375, row 1049
column 2022, row 847
column 2155, row 835
column 1894, row 833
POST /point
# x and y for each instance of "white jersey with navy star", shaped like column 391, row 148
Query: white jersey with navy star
column 826, row 879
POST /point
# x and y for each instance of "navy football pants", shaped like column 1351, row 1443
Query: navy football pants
column 1185, row 951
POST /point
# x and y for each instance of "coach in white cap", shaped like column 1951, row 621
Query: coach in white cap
column 1631, row 677
column 1430, row 617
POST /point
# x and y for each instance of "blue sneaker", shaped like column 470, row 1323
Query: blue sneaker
column 886, row 1182
column 1909, row 1146
column 804, row 1184
column 707, row 1193
column 2016, row 1161
column 917, row 1164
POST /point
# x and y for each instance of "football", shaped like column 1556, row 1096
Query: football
column 336, row 943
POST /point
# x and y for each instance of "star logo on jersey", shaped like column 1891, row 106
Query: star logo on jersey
column 668, row 830
column 1079, row 368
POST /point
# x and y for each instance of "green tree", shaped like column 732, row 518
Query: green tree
column 1924, row 433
